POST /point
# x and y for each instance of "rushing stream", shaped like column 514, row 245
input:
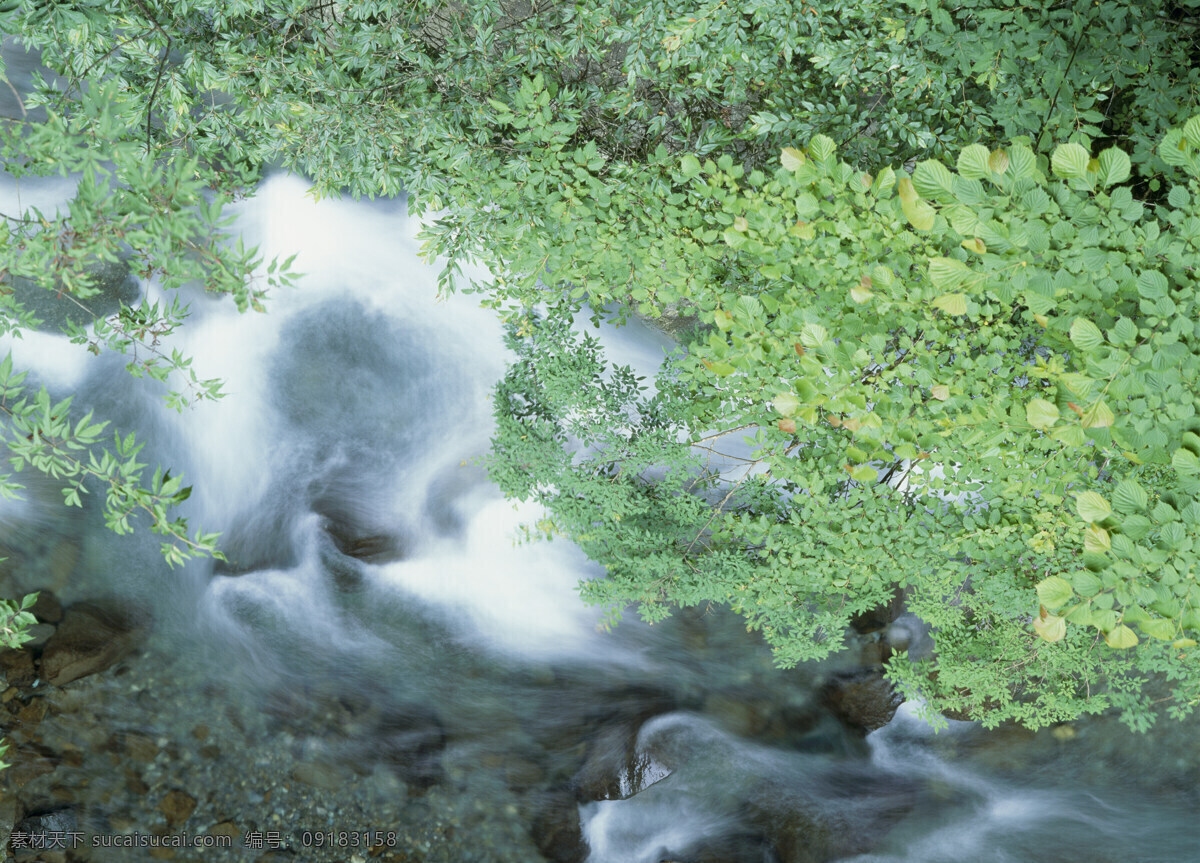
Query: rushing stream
column 380, row 653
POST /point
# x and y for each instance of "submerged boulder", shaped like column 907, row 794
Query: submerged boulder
column 91, row 637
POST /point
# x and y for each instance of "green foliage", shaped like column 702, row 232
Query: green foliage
column 1029, row 351
column 15, row 619
column 967, row 376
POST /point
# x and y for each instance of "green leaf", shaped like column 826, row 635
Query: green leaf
column 933, row 180
column 1022, row 161
column 947, row 273
column 1179, row 197
column 822, row 148
column 1070, row 161
column 690, row 165
column 1114, row 167
column 1051, row 627
column 1191, row 131
column 951, row 304
column 1185, row 461
column 813, row 335
column 973, row 162
column 1098, row 416
column 1092, row 507
column 791, row 159
column 1085, row 335
column 919, row 214
column 1124, row 332
column 864, row 473
column 786, row 404
column 1152, row 284
column 1054, row 591
column 1129, row 497
column 1156, row 627
column 1041, row 414
column 1121, row 638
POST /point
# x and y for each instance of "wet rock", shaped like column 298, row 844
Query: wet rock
column 863, row 700
column 134, row 784
column 91, row 638
column 327, row 775
column 411, row 739
column 225, row 828
column 40, row 824
column 47, row 608
column 39, row 634
column 56, row 820
column 136, row 745
column 608, row 757
column 18, row 667
column 28, row 763
column 355, row 533
column 33, row 712
column 879, row 617
column 556, row 830
column 177, row 806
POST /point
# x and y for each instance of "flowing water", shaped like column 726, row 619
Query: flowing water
column 381, row 653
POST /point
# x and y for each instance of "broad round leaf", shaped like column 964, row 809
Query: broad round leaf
column 1121, row 637
column 951, row 304
column 973, row 162
column 813, row 335
column 1129, row 497
column 1097, row 416
column 1191, row 131
column 1085, row 335
column 1022, row 161
column 933, row 180
column 1041, row 413
column 947, row 273
column 690, row 165
column 1113, row 167
column 791, row 158
column 864, row 473
column 1054, row 591
column 1051, row 627
column 822, row 148
column 1163, row 630
column 786, row 404
column 1092, row 507
column 1070, row 161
